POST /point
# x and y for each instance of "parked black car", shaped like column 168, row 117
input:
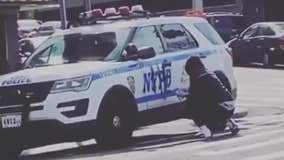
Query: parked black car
column 261, row 42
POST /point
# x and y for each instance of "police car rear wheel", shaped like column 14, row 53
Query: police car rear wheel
column 115, row 123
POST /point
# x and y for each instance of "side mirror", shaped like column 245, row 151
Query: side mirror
column 133, row 53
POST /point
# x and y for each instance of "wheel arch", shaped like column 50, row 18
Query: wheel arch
column 118, row 90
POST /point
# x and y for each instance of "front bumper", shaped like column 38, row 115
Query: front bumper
column 52, row 131
column 44, row 132
column 46, row 118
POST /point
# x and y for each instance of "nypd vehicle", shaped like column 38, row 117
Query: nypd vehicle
column 103, row 81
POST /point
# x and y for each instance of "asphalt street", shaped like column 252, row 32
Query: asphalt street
column 261, row 92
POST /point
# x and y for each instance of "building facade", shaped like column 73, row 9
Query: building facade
column 9, row 46
column 263, row 10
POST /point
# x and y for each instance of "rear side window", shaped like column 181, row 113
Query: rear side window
column 177, row 38
column 207, row 30
column 148, row 37
column 265, row 31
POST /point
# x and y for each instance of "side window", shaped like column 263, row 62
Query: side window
column 56, row 53
column 53, row 54
column 177, row 38
column 266, row 31
column 42, row 57
column 251, row 32
column 148, row 36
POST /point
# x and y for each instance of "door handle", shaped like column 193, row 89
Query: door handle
column 261, row 39
column 167, row 62
column 247, row 40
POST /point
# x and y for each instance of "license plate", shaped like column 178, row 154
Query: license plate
column 11, row 121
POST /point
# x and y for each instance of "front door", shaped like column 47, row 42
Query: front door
column 244, row 47
column 156, row 71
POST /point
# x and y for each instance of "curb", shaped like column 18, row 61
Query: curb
column 240, row 112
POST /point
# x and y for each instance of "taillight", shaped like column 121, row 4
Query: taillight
column 98, row 13
column 110, row 12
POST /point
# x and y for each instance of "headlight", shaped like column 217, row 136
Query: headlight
column 73, row 85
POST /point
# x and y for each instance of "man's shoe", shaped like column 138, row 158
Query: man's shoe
column 234, row 128
column 206, row 132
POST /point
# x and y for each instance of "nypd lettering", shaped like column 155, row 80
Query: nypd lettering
column 16, row 80
column 159, row 79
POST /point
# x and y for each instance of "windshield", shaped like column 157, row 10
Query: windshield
column 79, row 47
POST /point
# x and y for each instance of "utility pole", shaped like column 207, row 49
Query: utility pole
column 197, row 5
column 63, row 16
column 88, row 5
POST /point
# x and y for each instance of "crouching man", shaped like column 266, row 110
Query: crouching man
column 210, row 104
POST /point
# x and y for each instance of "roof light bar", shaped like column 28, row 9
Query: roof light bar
column 97, row 13
column 137, row 8
column 195, row 13
column 110, row 12
column 124, row 11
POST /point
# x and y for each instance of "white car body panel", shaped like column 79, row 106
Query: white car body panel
column 108, row 74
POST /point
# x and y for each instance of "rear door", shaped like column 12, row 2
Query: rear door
column 179, row 44
column 156, row 71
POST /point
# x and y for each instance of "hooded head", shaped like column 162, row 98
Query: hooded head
column 194, row 67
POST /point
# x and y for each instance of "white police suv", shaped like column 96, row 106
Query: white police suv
column 103, row 81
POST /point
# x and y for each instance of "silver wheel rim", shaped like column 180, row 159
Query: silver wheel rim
column 116, row 122
column 266, row 60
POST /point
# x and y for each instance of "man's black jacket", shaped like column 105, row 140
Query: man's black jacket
column 209, row 100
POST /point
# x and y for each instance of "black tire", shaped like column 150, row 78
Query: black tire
column 116, row 121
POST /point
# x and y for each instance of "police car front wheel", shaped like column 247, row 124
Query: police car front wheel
column 115, row 122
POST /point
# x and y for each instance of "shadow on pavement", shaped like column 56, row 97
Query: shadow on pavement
column 260, row 66
column 140, row 143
